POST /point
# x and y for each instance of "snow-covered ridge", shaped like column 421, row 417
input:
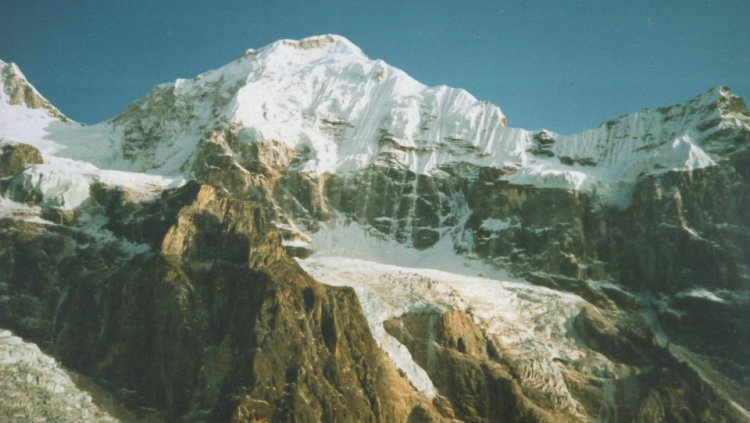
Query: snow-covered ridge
column 345, row 111
column 341, row 111
column 320, row 94
column 608, row 160
column 16, row 90
column 69, row 149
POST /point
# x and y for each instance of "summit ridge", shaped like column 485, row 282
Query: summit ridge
column 325, row 99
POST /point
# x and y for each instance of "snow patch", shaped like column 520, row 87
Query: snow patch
column 338, row 238
column 701, row 293
column 36, row 388
column 66, row 183
column 496, row 225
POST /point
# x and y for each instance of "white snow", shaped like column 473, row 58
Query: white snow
column 529, row 322
column 495, row 225
column 339, row 239
column 69, row 151
column 701, row 293
column 66, row 183
column 10, row 208
column 324, row 95
column 295, row 243
column 36, row 388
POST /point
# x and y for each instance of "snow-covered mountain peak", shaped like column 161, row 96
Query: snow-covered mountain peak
column 717, row 102
column 731, row 107
column 321, row 45
column 319, row 94
column 17, row 91
column 68, row 148
column 289, row 55
column 716, row 95
column 719, row 99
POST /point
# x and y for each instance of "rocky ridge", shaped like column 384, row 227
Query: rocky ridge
column 194, row 289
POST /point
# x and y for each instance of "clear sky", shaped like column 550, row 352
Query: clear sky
column 561, row 65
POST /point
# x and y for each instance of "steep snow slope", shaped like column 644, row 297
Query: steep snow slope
column 612, row 157
column 324, row 97
column 342, row 111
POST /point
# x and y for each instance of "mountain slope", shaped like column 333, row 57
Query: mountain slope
column 600, row 276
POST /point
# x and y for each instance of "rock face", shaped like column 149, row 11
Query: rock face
column 482, row 385
column 465, row 367
column 193, row 308
column 683, row 230
column 20, row 92
column 152, row 252
column 14, row 158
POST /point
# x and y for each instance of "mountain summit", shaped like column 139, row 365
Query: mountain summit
column 321, row 95
column 18, row 91
column 308, row 234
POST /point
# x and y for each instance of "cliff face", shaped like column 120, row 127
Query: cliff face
column 681, row 229
column 482, row 384
column 690, row 221
column 192, row 307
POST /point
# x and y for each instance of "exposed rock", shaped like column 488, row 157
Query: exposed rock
column 696, row 316
column 188, row 303
column 14, row 158
column 35, row 387
column 482, row 384
column 683, row 229
column 211, row 322
column 20, row 92
column 624, row 341
column 466, row 368
column 217, row 227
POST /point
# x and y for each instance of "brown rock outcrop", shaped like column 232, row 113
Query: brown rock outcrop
column 466, row 368
column 210, row 323
column 14, row 158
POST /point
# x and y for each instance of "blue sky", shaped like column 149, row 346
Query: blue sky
column 561, row 65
